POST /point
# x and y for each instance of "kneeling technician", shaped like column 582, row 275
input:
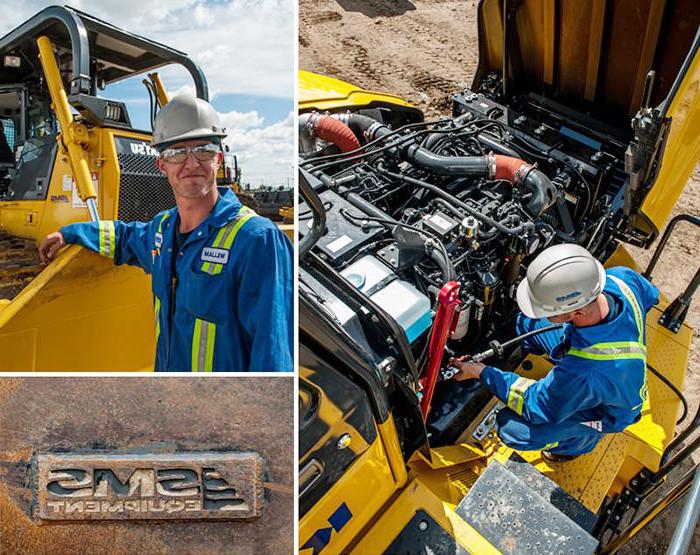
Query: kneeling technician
column 598, row 383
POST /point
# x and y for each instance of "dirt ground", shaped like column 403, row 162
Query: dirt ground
column 426, row 50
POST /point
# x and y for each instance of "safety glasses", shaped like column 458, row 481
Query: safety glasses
column 202, row 153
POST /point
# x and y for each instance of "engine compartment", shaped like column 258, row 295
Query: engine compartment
column 471, row 198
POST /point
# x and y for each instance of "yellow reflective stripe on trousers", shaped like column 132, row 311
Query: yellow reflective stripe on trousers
column 203, row 346
column 550, row 446
column 516, row 395
column 107, row 237
column 156, row 315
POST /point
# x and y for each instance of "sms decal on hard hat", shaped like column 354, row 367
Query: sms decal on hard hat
column 561, row 279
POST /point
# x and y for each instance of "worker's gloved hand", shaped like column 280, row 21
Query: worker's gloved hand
column 50, row 246
column 468, row 370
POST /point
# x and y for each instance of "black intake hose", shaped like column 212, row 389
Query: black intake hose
column 454, row 166
column 499, row 148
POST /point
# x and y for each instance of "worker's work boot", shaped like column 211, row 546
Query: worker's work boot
column 555, row 458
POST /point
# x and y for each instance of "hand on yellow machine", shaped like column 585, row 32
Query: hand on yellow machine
column 51, row 244
column 468, row 369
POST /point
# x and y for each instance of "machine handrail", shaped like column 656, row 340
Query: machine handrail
column 81, row 81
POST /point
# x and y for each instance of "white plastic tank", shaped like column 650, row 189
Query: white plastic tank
column 399, row 298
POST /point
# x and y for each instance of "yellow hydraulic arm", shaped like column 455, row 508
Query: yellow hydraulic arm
column 74, row 136
column 161, row 93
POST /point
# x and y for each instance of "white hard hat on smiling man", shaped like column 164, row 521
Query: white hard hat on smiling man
column 186, row 117
column 561, row 279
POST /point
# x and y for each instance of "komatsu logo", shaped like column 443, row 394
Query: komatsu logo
column 193, row 485
column 143, row 149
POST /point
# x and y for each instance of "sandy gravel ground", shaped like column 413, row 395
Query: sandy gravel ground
column 425, row 50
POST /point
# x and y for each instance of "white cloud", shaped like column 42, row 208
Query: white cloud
column 241, row 120
column 265, row 154
column 243, row 46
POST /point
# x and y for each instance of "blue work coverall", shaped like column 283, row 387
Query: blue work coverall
column 223, row 302
column 597, row 386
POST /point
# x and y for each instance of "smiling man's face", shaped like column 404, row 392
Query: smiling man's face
column 192, row 178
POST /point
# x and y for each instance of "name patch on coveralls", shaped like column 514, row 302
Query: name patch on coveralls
column 212, row 254
column 221, row 486
column 159, row 240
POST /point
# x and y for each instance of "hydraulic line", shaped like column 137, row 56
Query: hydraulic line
column 673, row 388
column 517, row 230
column 497, row 348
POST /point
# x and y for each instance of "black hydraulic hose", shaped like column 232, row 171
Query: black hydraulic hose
column 448, row 270
column 667, row 467
column 517, row 230
column 543, row 192
column 361, row 125
column 314, row 202
column 497, row 348
column 675, row 390
column 531, row 333
column 368, row 208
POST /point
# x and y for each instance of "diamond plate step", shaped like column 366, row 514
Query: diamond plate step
column 516, row 519
column 551, row 491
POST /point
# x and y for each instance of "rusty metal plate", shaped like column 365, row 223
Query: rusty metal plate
column 155, row 419
column 140, row 486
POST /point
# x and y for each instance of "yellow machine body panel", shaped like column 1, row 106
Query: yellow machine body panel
column 81, row 313
column 34, row 219
column 425, row 492
column 365, row 487
column 682, row 148
column 318, row 92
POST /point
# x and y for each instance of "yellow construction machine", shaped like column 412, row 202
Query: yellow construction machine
column 69, row 154
column 412, row 247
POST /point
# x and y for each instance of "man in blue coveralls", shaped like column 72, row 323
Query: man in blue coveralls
column 598, row 384
column 221, row 275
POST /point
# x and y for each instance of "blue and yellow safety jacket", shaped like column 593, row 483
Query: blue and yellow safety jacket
column 224, row 301
column 601, row 380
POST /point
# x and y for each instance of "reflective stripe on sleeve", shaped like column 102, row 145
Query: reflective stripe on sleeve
column 516, row 395
column 156, row 315
column 203, row 340
column 107, row 238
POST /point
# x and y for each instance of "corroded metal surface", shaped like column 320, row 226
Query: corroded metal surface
column 155, row 418
column 142, row 486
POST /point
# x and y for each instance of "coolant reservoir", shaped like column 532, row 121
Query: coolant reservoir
column 400, row 299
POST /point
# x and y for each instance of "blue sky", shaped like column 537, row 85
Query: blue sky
column 245, row 48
